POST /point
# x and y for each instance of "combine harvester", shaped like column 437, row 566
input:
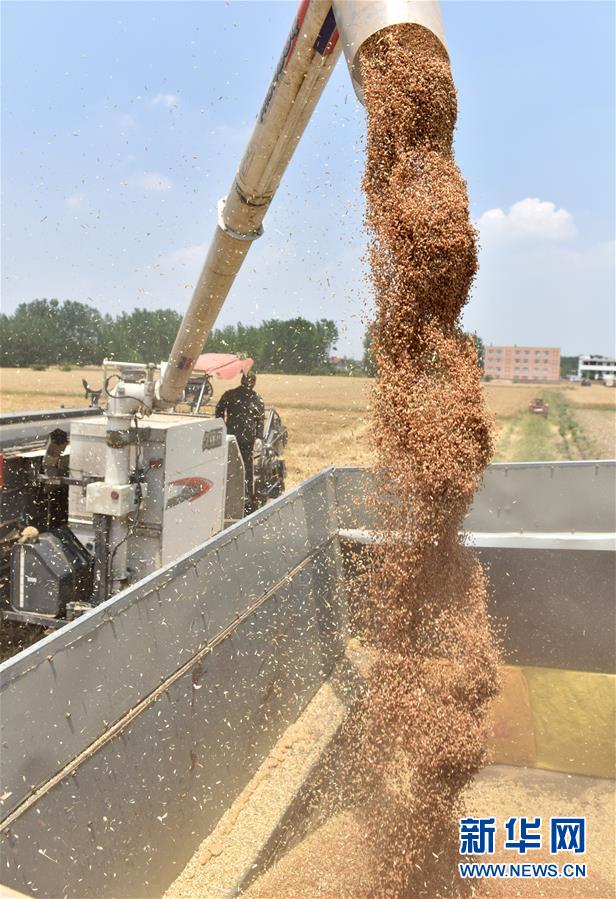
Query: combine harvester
column 130, row 731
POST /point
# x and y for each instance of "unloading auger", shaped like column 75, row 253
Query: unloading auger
column 320, row 32
column 144, row 486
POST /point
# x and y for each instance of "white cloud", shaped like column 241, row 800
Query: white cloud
column 232, row 134
column 530, row 218
column 154, row 181
column 124, row 122
column 75, row 201
column 169, row 101
column 546, row 294
column 188, row 259
column 180, row 269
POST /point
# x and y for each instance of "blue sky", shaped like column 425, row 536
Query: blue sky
column 123, row 124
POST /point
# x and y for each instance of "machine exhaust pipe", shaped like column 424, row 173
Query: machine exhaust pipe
column 357, row 21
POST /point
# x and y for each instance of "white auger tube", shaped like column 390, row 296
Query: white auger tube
column 309, row 55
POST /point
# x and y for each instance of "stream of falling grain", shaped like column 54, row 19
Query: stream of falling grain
column 420, row 734
column 423, row 730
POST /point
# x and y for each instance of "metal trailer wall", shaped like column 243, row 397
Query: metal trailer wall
column 547, row 536
column 126, row 734
column 546, row 533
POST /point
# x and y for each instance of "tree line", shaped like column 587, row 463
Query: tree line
column 47, row 332
column 569, row 365
column 295, row 346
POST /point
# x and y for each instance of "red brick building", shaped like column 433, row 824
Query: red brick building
column 524, row 363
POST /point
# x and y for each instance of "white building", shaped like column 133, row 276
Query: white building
column 597, row 368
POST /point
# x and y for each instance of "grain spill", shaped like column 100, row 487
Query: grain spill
column 421, row 733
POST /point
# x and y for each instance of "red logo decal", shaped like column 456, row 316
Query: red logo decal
column 190, row 489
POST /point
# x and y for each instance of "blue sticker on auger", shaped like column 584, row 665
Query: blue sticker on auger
column 327, row 37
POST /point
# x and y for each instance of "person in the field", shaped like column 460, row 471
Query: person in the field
column 243, row 411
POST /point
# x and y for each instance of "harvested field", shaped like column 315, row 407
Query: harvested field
column 581, row 423
column 525, row 438
column 24, row 388
column 505, row 400
column 595, row 395
column 327, row 416
column 599, row 425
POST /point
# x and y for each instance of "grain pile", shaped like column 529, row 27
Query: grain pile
column 421, row 734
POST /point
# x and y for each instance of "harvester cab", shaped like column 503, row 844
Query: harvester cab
column 198, row 392
column 199, row 388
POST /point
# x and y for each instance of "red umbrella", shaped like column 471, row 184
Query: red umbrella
column 223, row 365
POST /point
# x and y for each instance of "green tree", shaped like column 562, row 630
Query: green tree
column 34, row 335
column 292, row 346
column 82, row 327
column 50, row 333
column 8, row 352
column 568, row 365
column 369, row 360
column 480, row 347
column 143, row 335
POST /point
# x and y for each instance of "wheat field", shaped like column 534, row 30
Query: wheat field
column 327, row 417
